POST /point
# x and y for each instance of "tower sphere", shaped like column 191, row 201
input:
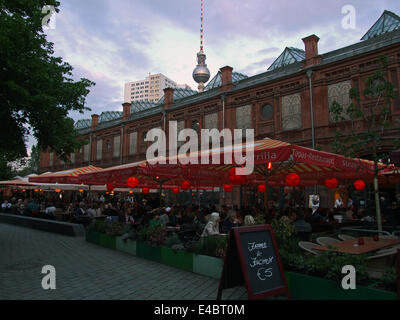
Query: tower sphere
column 201, row 74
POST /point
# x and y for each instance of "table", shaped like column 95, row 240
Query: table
column 351, row 246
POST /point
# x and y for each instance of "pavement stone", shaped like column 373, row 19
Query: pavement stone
column 86, row 271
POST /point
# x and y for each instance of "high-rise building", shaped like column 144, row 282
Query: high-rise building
column 149, row 89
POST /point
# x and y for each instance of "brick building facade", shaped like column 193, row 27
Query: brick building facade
column 276, row 103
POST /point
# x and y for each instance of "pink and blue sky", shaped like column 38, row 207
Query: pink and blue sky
column 115, row 41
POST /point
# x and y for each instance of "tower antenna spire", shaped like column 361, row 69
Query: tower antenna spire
column 201, row 74
column 202, row 23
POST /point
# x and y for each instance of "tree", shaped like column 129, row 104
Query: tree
column 37, row 90
column 365, row 123
column 5, row 170
column 34, row 160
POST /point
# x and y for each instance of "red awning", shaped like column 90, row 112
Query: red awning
column 70, row 176
column 312, row 166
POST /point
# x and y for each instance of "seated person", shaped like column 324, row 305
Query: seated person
column 348, row 214
column 6, row 206
column 70, row 211
column 320, row 216
column 249, row 220
column 230, row 222
column 32, row 208
column 128, row 218
column 301, row 225
column 212, row 226
column 80, row 212
column 164, row 218
column 91, row 212
column 19, row 208
column 109, row 210
column 50, row 210
column 155, row 221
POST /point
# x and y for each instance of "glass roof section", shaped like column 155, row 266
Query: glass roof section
column 180, row 94
column 288, row 56
column 216, row 82
column 386, row 23
column 83, row 124
column 109, row 116
column 138, row 106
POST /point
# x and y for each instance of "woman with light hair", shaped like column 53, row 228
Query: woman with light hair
column 212, row 226
column 249, row 220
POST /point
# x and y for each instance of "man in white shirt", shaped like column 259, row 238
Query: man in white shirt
column 6, row 206
column 339, row 203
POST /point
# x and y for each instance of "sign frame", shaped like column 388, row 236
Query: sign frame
column 235, row 232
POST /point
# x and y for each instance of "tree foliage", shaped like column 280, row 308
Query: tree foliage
column 366, row 123
column 357, row 139
column 37, row 89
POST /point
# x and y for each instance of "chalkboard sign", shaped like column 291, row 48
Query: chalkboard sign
column 253, row 259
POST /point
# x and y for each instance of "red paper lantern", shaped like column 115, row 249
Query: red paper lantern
column 228, row 188
column 292, row 179
column 36, row 190
column 331, row 183
column 262, row 188
column 81, row 190
column 359, row 185
column 236, row 179
column 175, row 190
column 110, row 187
column 57, row 190
column 185, row 185
column 145, row 190
column 131, row 192
column 132, row 182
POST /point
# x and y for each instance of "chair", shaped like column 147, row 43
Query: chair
column 388, row 237
column 377, row 263
column 345, row 237
column 327, row 241
column 308, row 246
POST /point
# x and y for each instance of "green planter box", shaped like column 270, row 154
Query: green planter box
column 128, row 247
column 179, row 259
column 305, row 287
column 145, row 251
column 107, row 241
column 208, row 266
column 93, row 237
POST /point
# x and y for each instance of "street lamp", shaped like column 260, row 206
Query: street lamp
column 309, row 75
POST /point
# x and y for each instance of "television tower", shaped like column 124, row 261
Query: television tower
column 201, row 74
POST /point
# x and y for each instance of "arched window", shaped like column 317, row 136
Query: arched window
column 196, row 126
column 108, row 145
column 267, row 111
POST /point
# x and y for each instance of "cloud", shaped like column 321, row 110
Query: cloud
column 113, row 42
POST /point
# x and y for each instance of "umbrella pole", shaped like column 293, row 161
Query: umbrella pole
column 160, row 194
column 266, row 196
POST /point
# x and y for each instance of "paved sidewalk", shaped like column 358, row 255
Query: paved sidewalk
column 87, row 271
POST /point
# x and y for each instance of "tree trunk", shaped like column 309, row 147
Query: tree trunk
column 377, row 203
